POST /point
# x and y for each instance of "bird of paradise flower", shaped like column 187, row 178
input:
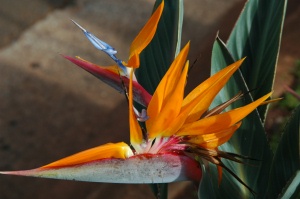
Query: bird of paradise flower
column 169, row 135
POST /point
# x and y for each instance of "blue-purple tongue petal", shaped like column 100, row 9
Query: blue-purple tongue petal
column 101, row 45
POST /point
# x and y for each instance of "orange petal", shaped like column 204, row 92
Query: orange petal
column 199, row 100
column 163, row 123
column 166, row 86
column 134, row 60
column 214, row 140
column 136, row 136
column 110, row 150
column 214, row 143
column 144, row 37
column 171, row 80
column 224, row 120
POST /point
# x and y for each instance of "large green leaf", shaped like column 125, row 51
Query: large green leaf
column 249, row 140
column 257, row 36
column 285, row 170
column 159, row 54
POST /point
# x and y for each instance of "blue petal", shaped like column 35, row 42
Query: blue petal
column 101, row 45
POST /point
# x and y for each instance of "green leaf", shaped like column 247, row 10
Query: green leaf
column 249, row 140
column 206, row 188
column 160, row 190
column 159, row 54
column 285, row 170
column 257, row 36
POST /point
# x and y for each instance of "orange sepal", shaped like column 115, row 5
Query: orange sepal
column 199, row 100
column 134, row 61
column 136, row 136
column 165, row 123
column 110, row 150
column 167, row 86
column 224, row 120
column 144, row 37
column 213, row 140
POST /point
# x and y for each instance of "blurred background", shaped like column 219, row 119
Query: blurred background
column 49, row 108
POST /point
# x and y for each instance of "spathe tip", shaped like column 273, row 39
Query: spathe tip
column 18, row 173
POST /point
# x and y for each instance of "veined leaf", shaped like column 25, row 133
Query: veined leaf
column 285, row 171
column 257, row 36
column 249, row 140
